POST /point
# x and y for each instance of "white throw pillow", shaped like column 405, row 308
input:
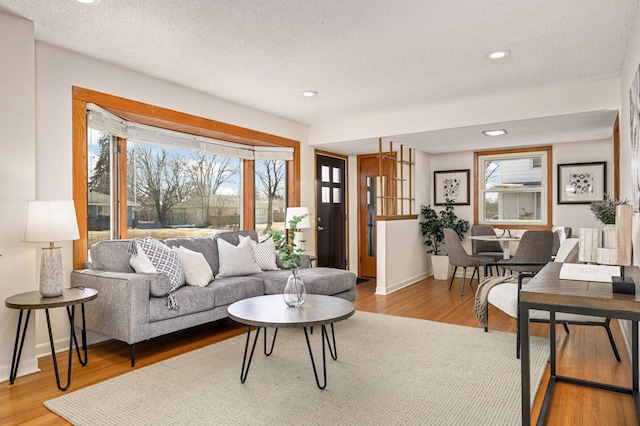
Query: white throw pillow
column 264, row 253
column 237, row 260
column 196, row 269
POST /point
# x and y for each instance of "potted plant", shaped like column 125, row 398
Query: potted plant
column 593, row 240
column 432, row 228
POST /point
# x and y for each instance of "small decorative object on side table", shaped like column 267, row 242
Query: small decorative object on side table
column 34, row 300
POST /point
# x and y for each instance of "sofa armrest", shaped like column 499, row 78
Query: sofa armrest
column 121, row 310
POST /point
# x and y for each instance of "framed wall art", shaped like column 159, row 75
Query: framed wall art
column 451, row 184
column 582, row 183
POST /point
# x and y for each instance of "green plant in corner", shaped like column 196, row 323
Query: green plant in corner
column 433, row 224
column 605, row 210
column 290, row 255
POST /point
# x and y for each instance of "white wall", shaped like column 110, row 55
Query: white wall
column 18, row 177
column 631, row 63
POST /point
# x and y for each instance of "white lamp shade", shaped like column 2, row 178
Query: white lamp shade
column 298, row 211
column 49, row 221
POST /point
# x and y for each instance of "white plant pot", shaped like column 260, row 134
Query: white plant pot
column 441, row 267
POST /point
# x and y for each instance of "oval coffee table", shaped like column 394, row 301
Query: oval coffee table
column 271, row 311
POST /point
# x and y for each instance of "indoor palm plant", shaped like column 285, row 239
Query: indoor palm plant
column 432, row 228
column 295, row 293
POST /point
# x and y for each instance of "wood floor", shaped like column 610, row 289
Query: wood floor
column 584, row 353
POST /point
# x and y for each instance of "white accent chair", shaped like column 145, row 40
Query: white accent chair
column 506, row 298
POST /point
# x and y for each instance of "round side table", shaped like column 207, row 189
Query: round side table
column 33, row 300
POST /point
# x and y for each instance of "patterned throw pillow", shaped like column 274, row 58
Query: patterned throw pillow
column 264, row 252
column 162, row 260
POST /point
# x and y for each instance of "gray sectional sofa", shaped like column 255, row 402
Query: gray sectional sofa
column 131, row 307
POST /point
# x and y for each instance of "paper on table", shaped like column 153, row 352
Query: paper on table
column 584, row 272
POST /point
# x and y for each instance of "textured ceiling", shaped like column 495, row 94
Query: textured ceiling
column 364, row 57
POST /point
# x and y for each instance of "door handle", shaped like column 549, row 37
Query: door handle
column 320, row 228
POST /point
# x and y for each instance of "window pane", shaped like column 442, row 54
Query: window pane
column 325, row 174
column 513, row 173
column 270, row 195
column 336, row 175
column 336, row 195
column 99, row 154
column 511, row 206
column 175, row 192
column 326, row 194
column 514, row 188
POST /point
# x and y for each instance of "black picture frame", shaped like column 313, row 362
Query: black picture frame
column 582, row 183
column 452, row 184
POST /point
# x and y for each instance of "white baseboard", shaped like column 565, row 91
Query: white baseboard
column 26, row 367
column 400, row 285
column 62, row 345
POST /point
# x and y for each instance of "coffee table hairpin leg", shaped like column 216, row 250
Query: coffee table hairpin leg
column 246, row 363
column 332, row 351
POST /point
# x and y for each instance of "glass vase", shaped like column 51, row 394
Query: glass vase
column 294, row 292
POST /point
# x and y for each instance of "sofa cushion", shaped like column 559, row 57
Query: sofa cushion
column 196, row 269
column 232, row 289
column 192, row 300
column 236, row 260
column 205, row 245
column 327, row 281
column 111, row 255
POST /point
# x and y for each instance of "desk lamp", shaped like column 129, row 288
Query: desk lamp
column 51, row 221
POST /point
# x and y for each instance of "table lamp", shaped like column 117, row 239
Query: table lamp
column 51, row 221
column 298, row 238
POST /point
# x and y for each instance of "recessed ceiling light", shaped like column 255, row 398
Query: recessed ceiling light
column 309, row 93
column 497, row 54
column 88, row 1
column 497, row 132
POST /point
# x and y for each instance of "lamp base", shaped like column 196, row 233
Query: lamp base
column 51, row 272
column 298, row 240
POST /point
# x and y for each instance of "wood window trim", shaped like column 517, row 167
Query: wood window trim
column 549, row 151
column 143, row 113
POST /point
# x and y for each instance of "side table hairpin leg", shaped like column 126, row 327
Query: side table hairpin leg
column 17, row 351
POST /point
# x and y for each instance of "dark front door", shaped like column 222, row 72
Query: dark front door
column 331, row 226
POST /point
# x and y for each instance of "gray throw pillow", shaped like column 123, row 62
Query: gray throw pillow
column 237, row 260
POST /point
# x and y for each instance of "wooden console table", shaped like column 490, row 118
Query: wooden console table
column 547, row 292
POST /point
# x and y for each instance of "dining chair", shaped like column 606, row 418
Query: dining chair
column 535, row 247
column 492, row 249
column 485, row 248
column 458, row 257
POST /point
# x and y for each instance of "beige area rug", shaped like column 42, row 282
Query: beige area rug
column 390, row 370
